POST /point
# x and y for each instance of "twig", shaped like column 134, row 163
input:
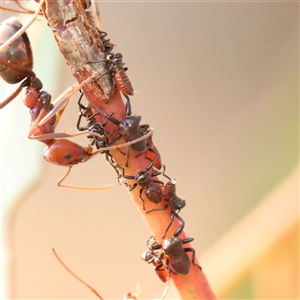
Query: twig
column 78, row 39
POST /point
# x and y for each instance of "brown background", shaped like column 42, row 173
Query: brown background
column 217, row 81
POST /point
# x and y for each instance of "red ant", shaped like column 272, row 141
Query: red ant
column 174, row 202
column 44, row 115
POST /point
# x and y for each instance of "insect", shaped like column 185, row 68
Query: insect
column 156, row 258
column 59, row 150
column 16, row 65
column 174, row 202
column 116, row 66
column 100, row 140
column 145, row 180
column 131, row 128
column 176, row 259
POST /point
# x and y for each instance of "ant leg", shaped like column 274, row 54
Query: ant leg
column 127, row 107
column 59, row 183
column 11, row 97
column 164, row 174
column 147, row 157
column 193, row 256
column 109, row 117
column 58, row 135
column 111, row 147
column 25, row 10
column 23, row 29
column 180, row 228
column 187, row 240
column 171, row 221
column 140, row 196
column 168, row 268
column 127, row 156
column 157, row 181
column 61, row 101
column 59, row 104
column 156, row 157
column 82, row 112
column 111, row 161
column 157, row 209
column 74, row 275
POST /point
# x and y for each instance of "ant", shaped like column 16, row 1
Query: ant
column 100, row 140
column 174, row 202
column 144, row 180
column 131, row 128
column 114, row 62
column 176, row 259
column 155, row 257
column 44, row 118
column 115, row 65
column 60, row 151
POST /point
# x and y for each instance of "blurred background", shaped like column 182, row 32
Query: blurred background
column 219, row 83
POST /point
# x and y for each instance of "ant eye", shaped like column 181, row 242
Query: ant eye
column 67, row 156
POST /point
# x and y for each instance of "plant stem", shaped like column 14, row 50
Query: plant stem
column 79, row 42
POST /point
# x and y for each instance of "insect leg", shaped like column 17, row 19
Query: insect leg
column 193, row 256
column 59, row 183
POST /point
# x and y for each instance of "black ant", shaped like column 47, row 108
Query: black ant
column 145, row 180
column 174, row 202
column 131, row 128
column 115, row 65
column 175, row 255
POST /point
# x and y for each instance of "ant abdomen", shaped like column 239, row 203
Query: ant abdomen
column 18, row 54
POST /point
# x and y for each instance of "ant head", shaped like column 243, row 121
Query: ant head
column 143, row 177
column 131, row 124
column 171, row 243
column 16, row 61
column 151, row 241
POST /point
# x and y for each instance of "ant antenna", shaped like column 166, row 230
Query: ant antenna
column 74, row 275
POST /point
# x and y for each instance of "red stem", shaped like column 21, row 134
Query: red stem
column 79, row 42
